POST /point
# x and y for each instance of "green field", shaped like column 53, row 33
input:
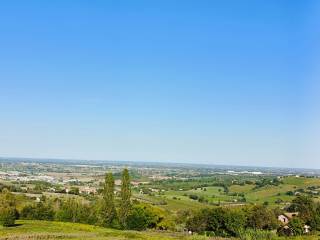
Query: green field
column 40, row 230
column 273, row 195
column 60, row 230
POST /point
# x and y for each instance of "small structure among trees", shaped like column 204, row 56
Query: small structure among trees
column 304, row 217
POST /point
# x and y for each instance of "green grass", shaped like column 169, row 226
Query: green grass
column 311, row 237
column 212, row 194
column 27, row 229
column 241, row 188
column 179, row 200
column 172, row 204
column 44, row 230
column 272, row 193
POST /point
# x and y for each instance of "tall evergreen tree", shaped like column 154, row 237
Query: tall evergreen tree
column 108, row 209
column 125, row 202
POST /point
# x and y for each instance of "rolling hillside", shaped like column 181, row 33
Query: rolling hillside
column 60, row 230
column 44, row 230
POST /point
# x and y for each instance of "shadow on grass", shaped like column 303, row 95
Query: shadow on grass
column 14, row 225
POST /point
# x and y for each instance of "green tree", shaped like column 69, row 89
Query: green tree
column 139, row 218
column 219, row 221
column 199, row 221
column 261, row 217
column 305, row 206
column 76, row 210
column 296, row 225
column 234, row 221
column 315, row 222
column 67, row 211
column 108, row 211
column 7, row 216
column 125, row 195
column 8, row 210
column 39, row 211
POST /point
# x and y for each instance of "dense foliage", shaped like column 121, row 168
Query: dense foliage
column 108, row 211
column 125, row 198
column 230, row 222
column 8, row 212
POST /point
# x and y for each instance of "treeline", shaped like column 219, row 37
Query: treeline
column 230, row 222
column 233, row 222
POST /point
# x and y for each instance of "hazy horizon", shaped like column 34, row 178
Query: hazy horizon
column 124, row 162
column 231, row 83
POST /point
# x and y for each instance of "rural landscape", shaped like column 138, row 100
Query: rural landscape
column 159, row 120
column 69, row 199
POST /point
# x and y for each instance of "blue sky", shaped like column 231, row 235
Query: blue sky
column 221, row 82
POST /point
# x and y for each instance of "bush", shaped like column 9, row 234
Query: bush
column 262, row 218
column 8, row 212
column 139, row 218
column 73, row 210
column 193, row 197
column 201, row 199
column 217, row 221
column 167, row 224
column 7, row 216
column 251, row 234
column 296, row 225
column 39, row 211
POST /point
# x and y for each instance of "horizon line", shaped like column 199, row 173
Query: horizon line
column 152, row 161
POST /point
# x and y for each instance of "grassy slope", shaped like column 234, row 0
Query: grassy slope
column 215, row 194
column 184, row 202
column 272, row 193
column 59, row 230
column 172, row 205
column 40, row 230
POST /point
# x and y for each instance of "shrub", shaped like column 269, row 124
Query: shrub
column 7, row 216
column 8, row 212
column 193, row 197
column 260, row 217
column 73, row 210
column 296, row 225
column 39, row 211
column 252, row 234
column 217, row 221
column 138, row 218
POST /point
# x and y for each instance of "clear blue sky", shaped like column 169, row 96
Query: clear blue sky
column 221, row 82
